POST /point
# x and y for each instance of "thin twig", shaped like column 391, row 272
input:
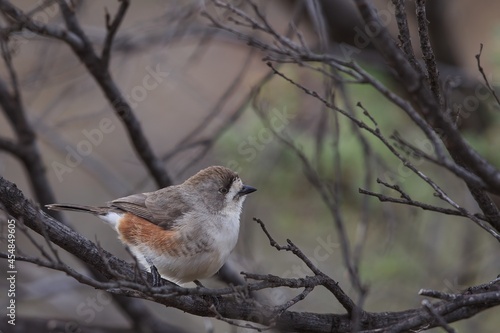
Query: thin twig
column 481, row 70
column 329, row 283
column 424, row 206
column 438, row 294
column 112, row 28
column 396, row 188
column 300, row 297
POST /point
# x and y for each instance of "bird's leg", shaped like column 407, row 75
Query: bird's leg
column 157, row 281
column 198, row 284
column 156, row 276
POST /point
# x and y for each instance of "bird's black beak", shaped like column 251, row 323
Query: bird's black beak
column 246, row 190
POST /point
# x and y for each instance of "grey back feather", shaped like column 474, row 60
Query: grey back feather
column 161, row 207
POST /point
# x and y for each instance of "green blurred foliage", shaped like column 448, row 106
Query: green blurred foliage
column 406, row 248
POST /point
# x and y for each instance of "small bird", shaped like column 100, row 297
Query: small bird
column 183, row 232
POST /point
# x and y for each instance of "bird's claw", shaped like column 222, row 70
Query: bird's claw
column 157, row 280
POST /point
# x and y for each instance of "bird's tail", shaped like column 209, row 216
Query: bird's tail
column 79, row 208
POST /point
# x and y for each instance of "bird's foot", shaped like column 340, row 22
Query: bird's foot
column 157, row 280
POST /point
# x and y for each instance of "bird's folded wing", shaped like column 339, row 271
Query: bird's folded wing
column 161, row 207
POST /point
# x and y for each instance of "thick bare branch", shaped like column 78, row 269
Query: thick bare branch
column 427, row 52
column 404, row 32
column 422, row 101
column 193, row 301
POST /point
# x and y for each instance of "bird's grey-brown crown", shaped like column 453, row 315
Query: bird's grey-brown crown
column 218, row 176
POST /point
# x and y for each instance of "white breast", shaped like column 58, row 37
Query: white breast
column 220, row 233
column 225, row 233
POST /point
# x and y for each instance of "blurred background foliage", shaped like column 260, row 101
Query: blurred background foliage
column 405, row 249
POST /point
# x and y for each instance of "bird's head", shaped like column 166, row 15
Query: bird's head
column 219, row 189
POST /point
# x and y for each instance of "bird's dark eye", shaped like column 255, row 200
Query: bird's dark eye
column 223, row 190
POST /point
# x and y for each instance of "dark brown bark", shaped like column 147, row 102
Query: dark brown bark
column 192, row 301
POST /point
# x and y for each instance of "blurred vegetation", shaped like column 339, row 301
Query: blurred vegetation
column 406, row 248
column 404, row 244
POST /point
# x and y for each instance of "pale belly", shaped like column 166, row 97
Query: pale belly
column 187, row 267
column 182, row 269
